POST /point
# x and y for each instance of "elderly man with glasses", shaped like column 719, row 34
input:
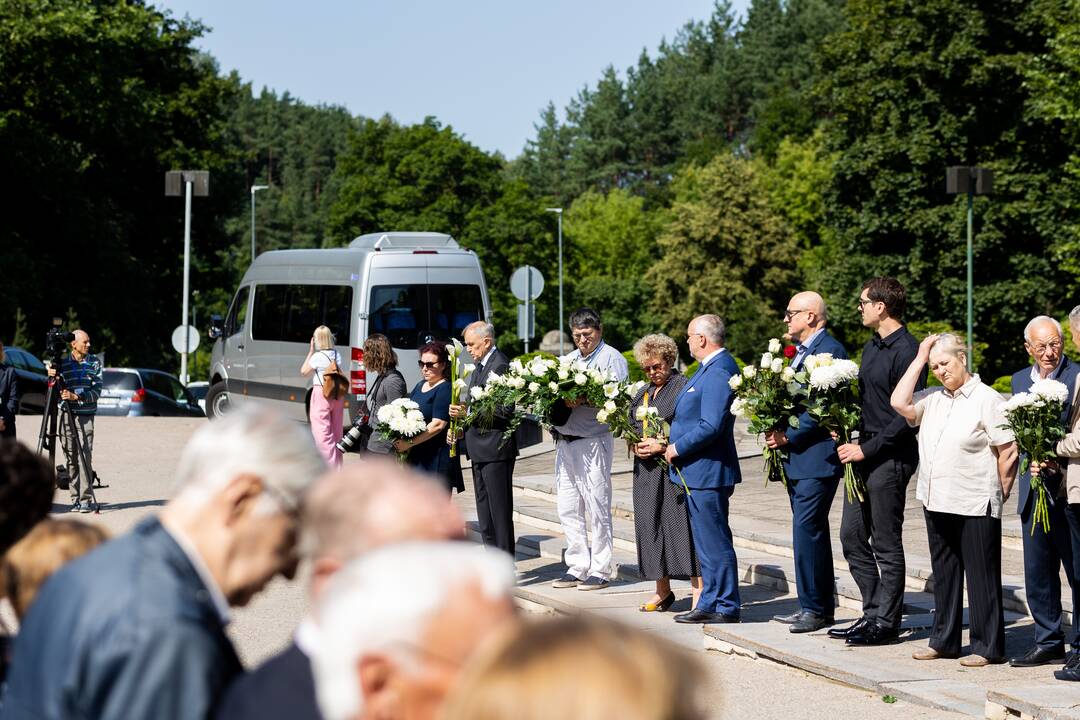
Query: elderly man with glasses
column 1045, row 553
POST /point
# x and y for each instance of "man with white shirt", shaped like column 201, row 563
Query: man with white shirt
column 583, row 454
column 136, row 628
column 349, row 513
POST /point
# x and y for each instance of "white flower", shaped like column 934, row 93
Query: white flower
column 734, row 382
column 580, row 379
column 516, row 382
column 749, row 371
column 553, row 386
column 738, row 407
column 766, row 361
column 611, row 390
column 788, row 374
column 595, row 375
column 602, row 416
column 564, row 374
column 777, row 365
column 476, row 393
column 469, row 369
column 460, row 384
column 635, row 388
column 641, row 412
column 538, row 367
column 495, row 379
column 578, row 365
column 833, row 375
column 815, row 361
column 534, row 387
column 610, row 406
column 775, row 346
column 516, row 367
column 1050, row 390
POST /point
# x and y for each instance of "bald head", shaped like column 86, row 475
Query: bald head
column 805, row 315
column 810, row 300
column 80, row 346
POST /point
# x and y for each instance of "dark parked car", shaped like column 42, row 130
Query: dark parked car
column 33, row 382
column 136, row 392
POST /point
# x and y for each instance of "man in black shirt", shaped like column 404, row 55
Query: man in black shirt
column 887, row 453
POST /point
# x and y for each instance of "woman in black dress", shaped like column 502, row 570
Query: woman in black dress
column 428, row 451
column 664, row 544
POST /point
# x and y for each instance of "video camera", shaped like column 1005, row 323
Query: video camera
column 57, row 342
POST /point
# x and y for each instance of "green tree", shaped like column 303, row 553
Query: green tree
column 725, row 250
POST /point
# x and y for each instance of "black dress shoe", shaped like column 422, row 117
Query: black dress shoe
column 846, row 632
column 788, row 619
column 874, row 634
column 809, row 622
column 705, row 617
column 1071, row 671
column 1037, row 656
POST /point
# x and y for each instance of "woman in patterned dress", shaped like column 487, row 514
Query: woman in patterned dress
column 664, row 544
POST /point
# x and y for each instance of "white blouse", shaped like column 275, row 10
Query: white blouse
column 320, row 360
column 957, row 468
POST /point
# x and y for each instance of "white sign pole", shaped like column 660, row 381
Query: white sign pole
column 528, row 294
column 187, row 278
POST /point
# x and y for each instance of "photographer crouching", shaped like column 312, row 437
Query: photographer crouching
column 81, row 373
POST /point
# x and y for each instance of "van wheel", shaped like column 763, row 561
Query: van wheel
column 217, row 401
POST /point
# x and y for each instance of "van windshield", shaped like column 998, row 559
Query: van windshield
column 410, row 314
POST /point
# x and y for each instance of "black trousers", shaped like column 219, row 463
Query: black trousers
column 963, row 546
column 493, row 484
column 871, row 534
column 1044, row 556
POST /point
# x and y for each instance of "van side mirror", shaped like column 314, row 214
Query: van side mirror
column 215, row 330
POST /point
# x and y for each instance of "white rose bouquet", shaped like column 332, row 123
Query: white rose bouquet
column 1035, row 420
column 766, row 397
column 458, row 375
column 832, row 398
column 400, row 420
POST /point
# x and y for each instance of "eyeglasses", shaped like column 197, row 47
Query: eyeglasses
column 865, row 302
column 428, row 365
column 583, row 336
column 1042, row 349
column 791, row 314
column 654, row 368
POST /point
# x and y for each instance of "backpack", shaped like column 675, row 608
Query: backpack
column 334, row 383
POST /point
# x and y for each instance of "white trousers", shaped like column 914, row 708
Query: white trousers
column 583, row 487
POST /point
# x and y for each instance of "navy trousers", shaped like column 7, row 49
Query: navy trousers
column 811, row 499
column 715, row 551
column 1044, row 555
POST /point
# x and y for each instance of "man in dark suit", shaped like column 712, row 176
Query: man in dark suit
column 813, row 471
column 702, row 447
column 1045, row 553
column 136, row 628
column 372, row 504
column 492, row 459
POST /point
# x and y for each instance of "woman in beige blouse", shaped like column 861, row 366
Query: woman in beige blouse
column 967, row 463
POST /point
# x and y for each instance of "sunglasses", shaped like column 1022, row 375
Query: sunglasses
column 428, row 365
column 654, row 368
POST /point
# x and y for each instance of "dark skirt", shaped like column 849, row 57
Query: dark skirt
column 665, row 545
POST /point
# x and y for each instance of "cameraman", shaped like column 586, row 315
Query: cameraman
column 82, row 386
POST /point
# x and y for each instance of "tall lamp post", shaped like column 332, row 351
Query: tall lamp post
column 187, row 183
column 970, row 181
column 254, row 189
column 558, row 213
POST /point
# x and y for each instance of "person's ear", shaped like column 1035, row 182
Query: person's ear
column 240, row 496
column 374, row 673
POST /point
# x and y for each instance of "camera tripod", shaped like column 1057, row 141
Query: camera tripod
column 59, row 410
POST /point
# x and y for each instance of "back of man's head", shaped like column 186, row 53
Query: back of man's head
column 398, row 610
column 373, row 503
column 27, row 485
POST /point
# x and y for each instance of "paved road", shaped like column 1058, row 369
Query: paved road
column 137, row 457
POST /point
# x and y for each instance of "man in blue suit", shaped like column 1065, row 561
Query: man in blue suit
column 702, row 446
column 813, row 470
column 1045, row 553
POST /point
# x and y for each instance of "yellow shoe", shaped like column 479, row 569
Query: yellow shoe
column 660, row 606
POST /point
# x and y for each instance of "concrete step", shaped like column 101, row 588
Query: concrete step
column 1056, row 702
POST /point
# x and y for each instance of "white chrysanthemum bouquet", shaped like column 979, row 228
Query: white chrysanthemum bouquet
column 458, row 374
column 400, row 420
column 1035, row 420
column 832, row 398
column 766, row 397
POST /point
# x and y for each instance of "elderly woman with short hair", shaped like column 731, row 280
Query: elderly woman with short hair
column 967, row 461
column 661, row 523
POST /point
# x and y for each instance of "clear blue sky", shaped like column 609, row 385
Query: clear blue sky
column 486, row 67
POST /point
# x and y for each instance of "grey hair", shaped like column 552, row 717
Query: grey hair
column 250, row 441
column 1038, row 320
column 712, row 327
column 952, row 344
column 365, row 614
column 656, row 346
column 1074, row 317
column 481, row 327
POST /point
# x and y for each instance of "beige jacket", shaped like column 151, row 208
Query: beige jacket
column 1069, row 447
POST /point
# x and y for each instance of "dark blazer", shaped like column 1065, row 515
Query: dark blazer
column 1067, row 372
column 9, row 399
column 126, row 632
column 703, row 429
column 811, row 449
column 486, row 445
column 282, row 688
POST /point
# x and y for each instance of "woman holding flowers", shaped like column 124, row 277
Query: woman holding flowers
column 665, row 546
column 967, row 461
column 428, row 451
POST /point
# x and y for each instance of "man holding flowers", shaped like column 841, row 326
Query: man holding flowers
column 583, row 457
column 702, row 447
column 492, row 459
column 887, row 453
column 813, row 472
column 1046, row 551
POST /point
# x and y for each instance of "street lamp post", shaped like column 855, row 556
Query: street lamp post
column 558, row 212
column 254, row 189
column 970, row 181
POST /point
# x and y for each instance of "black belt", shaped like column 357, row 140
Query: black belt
column 559, row 437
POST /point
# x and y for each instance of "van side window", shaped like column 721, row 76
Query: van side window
column 268, row 315
column 407, row 314
column 290, row 313
column 453, row 307
column 237, row 313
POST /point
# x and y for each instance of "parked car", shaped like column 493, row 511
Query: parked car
column 33, row 380
column 198, row 391
column 140, row 392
